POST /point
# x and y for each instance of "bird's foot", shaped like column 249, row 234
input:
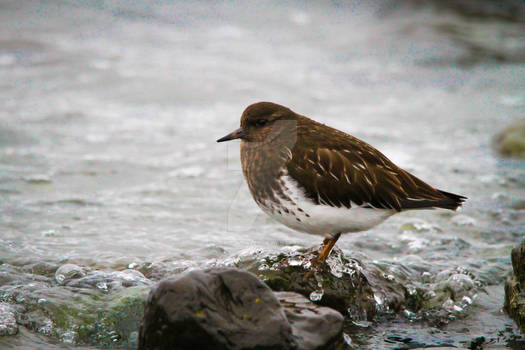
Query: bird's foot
column 315, row 265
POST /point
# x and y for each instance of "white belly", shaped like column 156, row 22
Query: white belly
column 302, row 214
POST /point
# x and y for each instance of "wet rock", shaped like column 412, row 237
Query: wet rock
column 8, row 325
column 370, row 291
column 214, row 309
column 87, row 316
column 107, row 281
column 68, row 272
column 313, row 326
column 232, row 309
column 341, row 284
column 515, row 287
column 502, row 9
column 511, row 141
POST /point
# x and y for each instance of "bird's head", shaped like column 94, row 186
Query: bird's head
column 263, row 122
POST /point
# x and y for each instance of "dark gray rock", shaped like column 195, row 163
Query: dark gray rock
column 314, row 327
column 214, row 309
column 515, row 287
column 232, row 309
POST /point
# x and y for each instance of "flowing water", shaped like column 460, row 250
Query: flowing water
column 109, row 170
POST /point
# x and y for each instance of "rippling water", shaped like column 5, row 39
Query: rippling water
column 108, row 161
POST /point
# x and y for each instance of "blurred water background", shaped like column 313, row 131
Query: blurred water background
column 109, row 170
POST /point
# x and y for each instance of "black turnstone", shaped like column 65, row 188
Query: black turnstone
column 319, row 180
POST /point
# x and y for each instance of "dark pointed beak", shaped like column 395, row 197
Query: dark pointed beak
column 237, row 134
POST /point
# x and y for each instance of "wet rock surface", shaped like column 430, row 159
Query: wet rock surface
column 313, row 326
column 341, row 284
column 515, row 287
column 372, row 291
column 511, row 141
column 232, row 309
column 59, row 303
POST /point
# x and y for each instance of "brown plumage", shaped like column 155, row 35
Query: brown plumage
column 282, row 149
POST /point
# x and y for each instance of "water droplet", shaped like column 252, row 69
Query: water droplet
column 409, row 314
column 103, row 285
column 295, row 262
column 316, row 295
column 114, row 336
column 263, row 267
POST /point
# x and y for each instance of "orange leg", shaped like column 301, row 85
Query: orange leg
column 328, row 245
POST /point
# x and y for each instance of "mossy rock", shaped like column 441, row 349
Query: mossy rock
column 367, row 290
column 341, row 284
column 515, row 287
column 511, row 141
column 91, row 318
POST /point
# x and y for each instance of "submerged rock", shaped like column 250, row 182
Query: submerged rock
column 87, row 317
column 107, row 281
column 232, row 309
column 515, row 287
column 511, row 141
column 68, row 272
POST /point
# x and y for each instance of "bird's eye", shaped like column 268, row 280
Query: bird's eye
column 261, row 122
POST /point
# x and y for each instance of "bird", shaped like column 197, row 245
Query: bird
column 322, row 181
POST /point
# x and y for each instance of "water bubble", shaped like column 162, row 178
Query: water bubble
column 263, row 267
column 409, row 314
column 389, row 277
column 316, row 295
column 68, row 337
column 295, row 262
column 114, row 336
column 103, row 286
column 46, row 328
column 467, row 300
column 68, row 272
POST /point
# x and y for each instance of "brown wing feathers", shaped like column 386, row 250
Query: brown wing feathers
column 363, row 176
